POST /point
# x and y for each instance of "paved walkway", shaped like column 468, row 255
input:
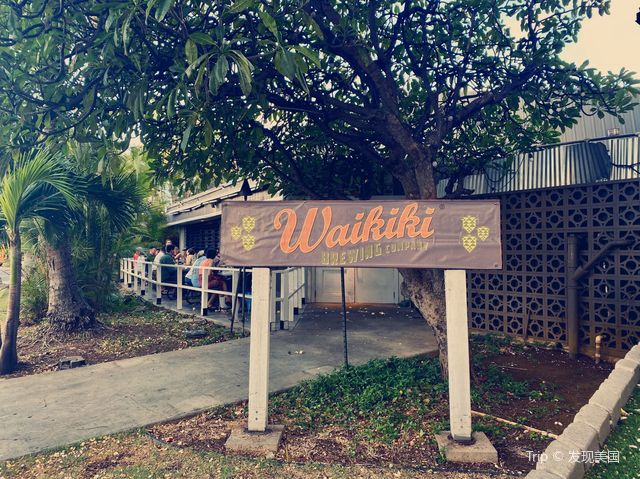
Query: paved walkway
column 57, row 408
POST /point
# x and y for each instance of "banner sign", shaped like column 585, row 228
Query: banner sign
column 451, row 234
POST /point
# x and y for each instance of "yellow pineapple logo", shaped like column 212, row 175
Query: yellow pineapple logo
column 248, row 222
column 242, row 233
column 248, row 242
column 469, row 224
column 236, row 232
column 469, row 243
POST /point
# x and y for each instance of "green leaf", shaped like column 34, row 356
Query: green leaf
column 270, row 23
column 201, row 72
column 125, row 31
column 240, row 6
column 110, row 19
column 163, row 9
column 202, row 38
column 191, row 51
column 192, row 67
column 150, row 6
column 310, row 54
column 221, row 68
column 87, row 101
column 208, row 133
column 171, row 108
column 285, row 63
column 185, row 137
column 244, row 70
column 213, row 84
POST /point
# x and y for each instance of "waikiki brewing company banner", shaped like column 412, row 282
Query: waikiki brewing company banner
column 456, row 234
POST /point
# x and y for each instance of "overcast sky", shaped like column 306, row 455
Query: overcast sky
column 610, row 42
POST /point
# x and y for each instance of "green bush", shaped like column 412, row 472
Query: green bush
column 33, row 302
column 386, row 396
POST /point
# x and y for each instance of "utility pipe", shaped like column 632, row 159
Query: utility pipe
column 574, row 274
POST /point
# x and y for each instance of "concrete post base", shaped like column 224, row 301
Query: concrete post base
column 263, row 444
column 481, row 451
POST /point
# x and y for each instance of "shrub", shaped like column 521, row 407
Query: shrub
column 33, row 303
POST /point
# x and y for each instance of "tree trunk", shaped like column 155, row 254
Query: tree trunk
column 9, row 332
column 425, row 287
column 67, row 309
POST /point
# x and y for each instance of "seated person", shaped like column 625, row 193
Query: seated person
column 168, row 274
column 190, row 256
column 193, row 273
column 215, row 281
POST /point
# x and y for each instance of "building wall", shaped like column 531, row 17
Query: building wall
column 528, row 297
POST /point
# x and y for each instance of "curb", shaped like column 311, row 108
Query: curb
column 565, row 457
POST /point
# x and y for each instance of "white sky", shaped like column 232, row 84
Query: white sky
column 610, row 42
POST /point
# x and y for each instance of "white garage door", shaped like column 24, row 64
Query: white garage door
column 362, row 285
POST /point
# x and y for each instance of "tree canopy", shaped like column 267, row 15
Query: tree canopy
column 320, row 97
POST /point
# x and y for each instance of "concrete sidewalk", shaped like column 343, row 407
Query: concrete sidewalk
column 54, row 409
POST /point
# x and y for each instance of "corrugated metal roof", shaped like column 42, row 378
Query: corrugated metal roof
column 594, row 127
column 560, row 165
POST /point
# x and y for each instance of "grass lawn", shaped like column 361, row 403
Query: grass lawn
column 138, row 329
column 626, row 440
column 373, row 420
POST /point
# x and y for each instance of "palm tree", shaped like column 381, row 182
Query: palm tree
column 109, row 203
column 35, row 186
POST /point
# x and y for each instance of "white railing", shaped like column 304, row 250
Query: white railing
column 288, row 287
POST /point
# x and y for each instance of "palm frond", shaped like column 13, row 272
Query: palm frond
column 36, row 186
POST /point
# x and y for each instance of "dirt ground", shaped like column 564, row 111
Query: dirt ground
column 554, row 396
column 137, row 456
column 139, row 330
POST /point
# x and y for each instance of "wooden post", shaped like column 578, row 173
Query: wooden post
column 129, row 278
column 134, row 269
column 259, row 350
column 284, row 293
column 121, row 270
column 143, row 280
column 458, row 355
column 298, row 288
column 178, row 287
column 204, row 296
column 272, row 304
column 159, row 284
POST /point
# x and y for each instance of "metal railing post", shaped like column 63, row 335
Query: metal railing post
column 235, row 279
